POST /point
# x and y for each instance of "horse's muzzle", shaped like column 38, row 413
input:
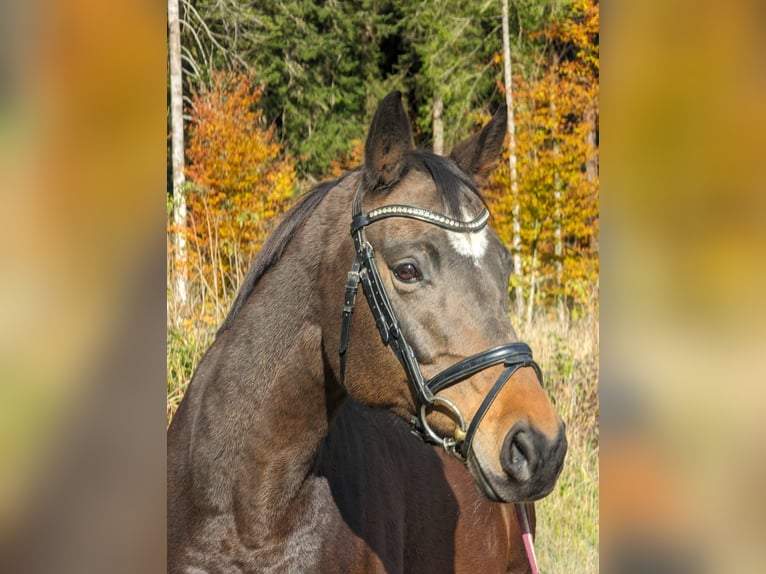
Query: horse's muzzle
column 531, row 460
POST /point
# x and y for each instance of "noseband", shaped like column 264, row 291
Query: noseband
column 364, row 269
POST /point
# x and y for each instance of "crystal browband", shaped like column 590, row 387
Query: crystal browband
column 472, row 226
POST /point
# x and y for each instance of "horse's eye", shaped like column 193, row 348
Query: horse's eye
column 407, row 273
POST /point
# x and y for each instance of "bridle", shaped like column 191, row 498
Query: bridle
column 364, row 270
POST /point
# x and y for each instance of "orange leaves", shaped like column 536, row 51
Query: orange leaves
column 581, row 32
column 348, row 161
column 239, row 183
column 229, row 146
column 556, row 123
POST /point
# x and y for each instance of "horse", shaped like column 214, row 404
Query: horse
column 252, row 486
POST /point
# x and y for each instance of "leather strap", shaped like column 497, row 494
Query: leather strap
column 465, row 448
column 352, row 286
column 476, row 224
column 509, row 354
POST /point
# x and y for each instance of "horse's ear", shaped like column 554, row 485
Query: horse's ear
column 388, row 141
column 479, row 155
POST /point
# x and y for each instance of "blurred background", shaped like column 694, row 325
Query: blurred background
column 683, row 118
column 84, row 292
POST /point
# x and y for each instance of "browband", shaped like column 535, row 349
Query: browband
column 444, row 221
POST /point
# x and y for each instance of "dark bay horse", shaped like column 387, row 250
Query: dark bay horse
column 255, row 484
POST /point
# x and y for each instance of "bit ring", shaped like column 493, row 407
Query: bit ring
column 448, row 443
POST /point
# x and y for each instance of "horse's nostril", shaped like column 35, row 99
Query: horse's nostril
column 519, row 456
column 519, row 464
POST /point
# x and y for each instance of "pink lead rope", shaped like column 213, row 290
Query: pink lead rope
column 526, row 535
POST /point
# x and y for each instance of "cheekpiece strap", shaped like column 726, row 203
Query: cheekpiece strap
column 352, row 286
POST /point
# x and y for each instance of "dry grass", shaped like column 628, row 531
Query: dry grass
column 567, row 520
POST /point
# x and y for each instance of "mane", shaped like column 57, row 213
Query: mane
column 275, row 245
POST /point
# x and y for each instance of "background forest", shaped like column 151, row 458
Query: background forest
column 277, row 97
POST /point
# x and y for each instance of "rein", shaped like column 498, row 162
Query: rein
column 364, row 270
column 526, row 535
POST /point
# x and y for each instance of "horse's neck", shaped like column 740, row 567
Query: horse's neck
column 261, row 404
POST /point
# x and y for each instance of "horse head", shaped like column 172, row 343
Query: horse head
column 436, row 277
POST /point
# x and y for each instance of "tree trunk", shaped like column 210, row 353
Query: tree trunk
column 533, row 279
column 558, row 246
column 516, row 223
column 438, row 125
column 591, row 163
column 180, row 279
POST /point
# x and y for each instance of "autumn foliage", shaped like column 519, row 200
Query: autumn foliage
column 557, row 164
column 239, row 183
